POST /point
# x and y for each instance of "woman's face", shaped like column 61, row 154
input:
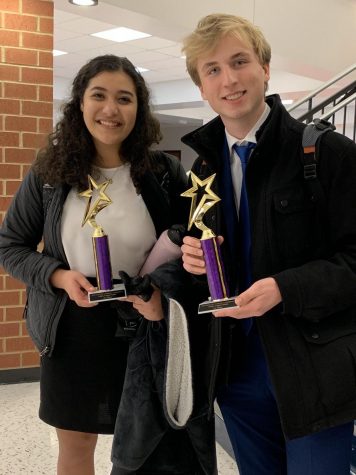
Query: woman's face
column 109, row 108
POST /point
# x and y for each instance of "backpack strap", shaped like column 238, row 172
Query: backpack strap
column 311, row 133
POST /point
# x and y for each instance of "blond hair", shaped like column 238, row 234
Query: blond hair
column 211, row 29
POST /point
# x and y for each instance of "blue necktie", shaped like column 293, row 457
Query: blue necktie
column 245, row 271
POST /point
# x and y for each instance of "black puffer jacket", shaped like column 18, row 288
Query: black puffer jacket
column 27, row 221
column 308, row 245
column 150, row 445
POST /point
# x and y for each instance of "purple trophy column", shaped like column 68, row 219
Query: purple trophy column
column 102, row 262
column 214, row 269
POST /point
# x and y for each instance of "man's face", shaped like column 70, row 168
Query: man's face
column 233, row 82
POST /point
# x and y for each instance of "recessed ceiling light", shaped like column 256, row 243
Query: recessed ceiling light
column 121, row 34
column 84, row 3
column 287, row 102
column 57, row 52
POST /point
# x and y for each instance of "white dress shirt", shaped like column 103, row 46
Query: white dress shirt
column 235, row 162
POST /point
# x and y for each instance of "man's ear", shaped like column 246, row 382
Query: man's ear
column 81, row 106
column 266, row 69
column 202, row 93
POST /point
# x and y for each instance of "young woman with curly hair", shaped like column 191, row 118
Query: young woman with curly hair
column 106, row 131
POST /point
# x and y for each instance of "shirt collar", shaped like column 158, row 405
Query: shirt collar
column 251, row 136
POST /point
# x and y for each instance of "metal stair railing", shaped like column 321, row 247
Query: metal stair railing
column 309, row 97
column 332, row 101
column 340, row 106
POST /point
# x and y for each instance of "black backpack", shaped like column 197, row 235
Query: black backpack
column 311, row 134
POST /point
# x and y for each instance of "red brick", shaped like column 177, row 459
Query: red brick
column 9, row 73
column 2, row 314
column 45, row 59
column 33, row 140
column 10, row 361
column 13, row 284
column 21, row 124
column 24, row 170
column 37, row 76
column 9, row 139
column 46, row 25
column 20, row 91
column 45, row 93
column 10, row 297
column 30, row 359
column 37, row 41
column 37, row 108
column 13, row 345
column 4, row 203
column 10, row 5
column 11, row 187
column 23, row 328
column 13, row 314
column 18, row 155
column 9, row 329
column 9, row 38
column 45, row 126
column 10, row 171
column 21, row 56
column 10, row 106
column 38, row 7
column 20, row 22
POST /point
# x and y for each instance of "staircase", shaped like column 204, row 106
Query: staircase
column 334, row 101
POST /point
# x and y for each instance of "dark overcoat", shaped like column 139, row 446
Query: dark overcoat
column 307, row 242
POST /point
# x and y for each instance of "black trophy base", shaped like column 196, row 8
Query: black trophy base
column 118, row 291
column 212, row 305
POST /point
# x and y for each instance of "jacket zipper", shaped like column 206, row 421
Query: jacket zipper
column 47, row 347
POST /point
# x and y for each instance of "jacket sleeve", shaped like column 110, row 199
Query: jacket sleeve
column 327, row 285
column 20, row 235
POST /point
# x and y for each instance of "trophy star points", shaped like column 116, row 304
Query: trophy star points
column 100, row 203
column 208, row 199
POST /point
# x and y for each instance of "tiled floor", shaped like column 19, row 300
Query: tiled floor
column 28, row 446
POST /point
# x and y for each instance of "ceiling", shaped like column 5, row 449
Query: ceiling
column 311, row 41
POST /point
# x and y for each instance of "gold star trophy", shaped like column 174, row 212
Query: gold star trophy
column 105, row 288
column 214, row 266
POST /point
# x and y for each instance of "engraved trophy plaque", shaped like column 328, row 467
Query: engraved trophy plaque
column 212, row 256
column 106, row 290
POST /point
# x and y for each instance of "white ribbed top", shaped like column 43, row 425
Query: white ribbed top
column 126, row 221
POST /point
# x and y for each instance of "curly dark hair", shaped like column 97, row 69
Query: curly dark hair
column 70, row 152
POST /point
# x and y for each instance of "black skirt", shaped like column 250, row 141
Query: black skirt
column 81, row 383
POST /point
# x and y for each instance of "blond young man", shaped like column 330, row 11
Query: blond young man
column 288, row 350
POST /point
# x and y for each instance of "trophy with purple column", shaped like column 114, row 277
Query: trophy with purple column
column 214, row 266
column 106, row 290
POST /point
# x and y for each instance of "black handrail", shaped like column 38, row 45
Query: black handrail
column 336, row 98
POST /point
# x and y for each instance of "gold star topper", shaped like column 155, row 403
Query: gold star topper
column 208, row 200
column 101, row 202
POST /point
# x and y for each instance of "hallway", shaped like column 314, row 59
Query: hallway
column 28, row 446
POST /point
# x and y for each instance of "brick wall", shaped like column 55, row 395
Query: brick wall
column 26, row 98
